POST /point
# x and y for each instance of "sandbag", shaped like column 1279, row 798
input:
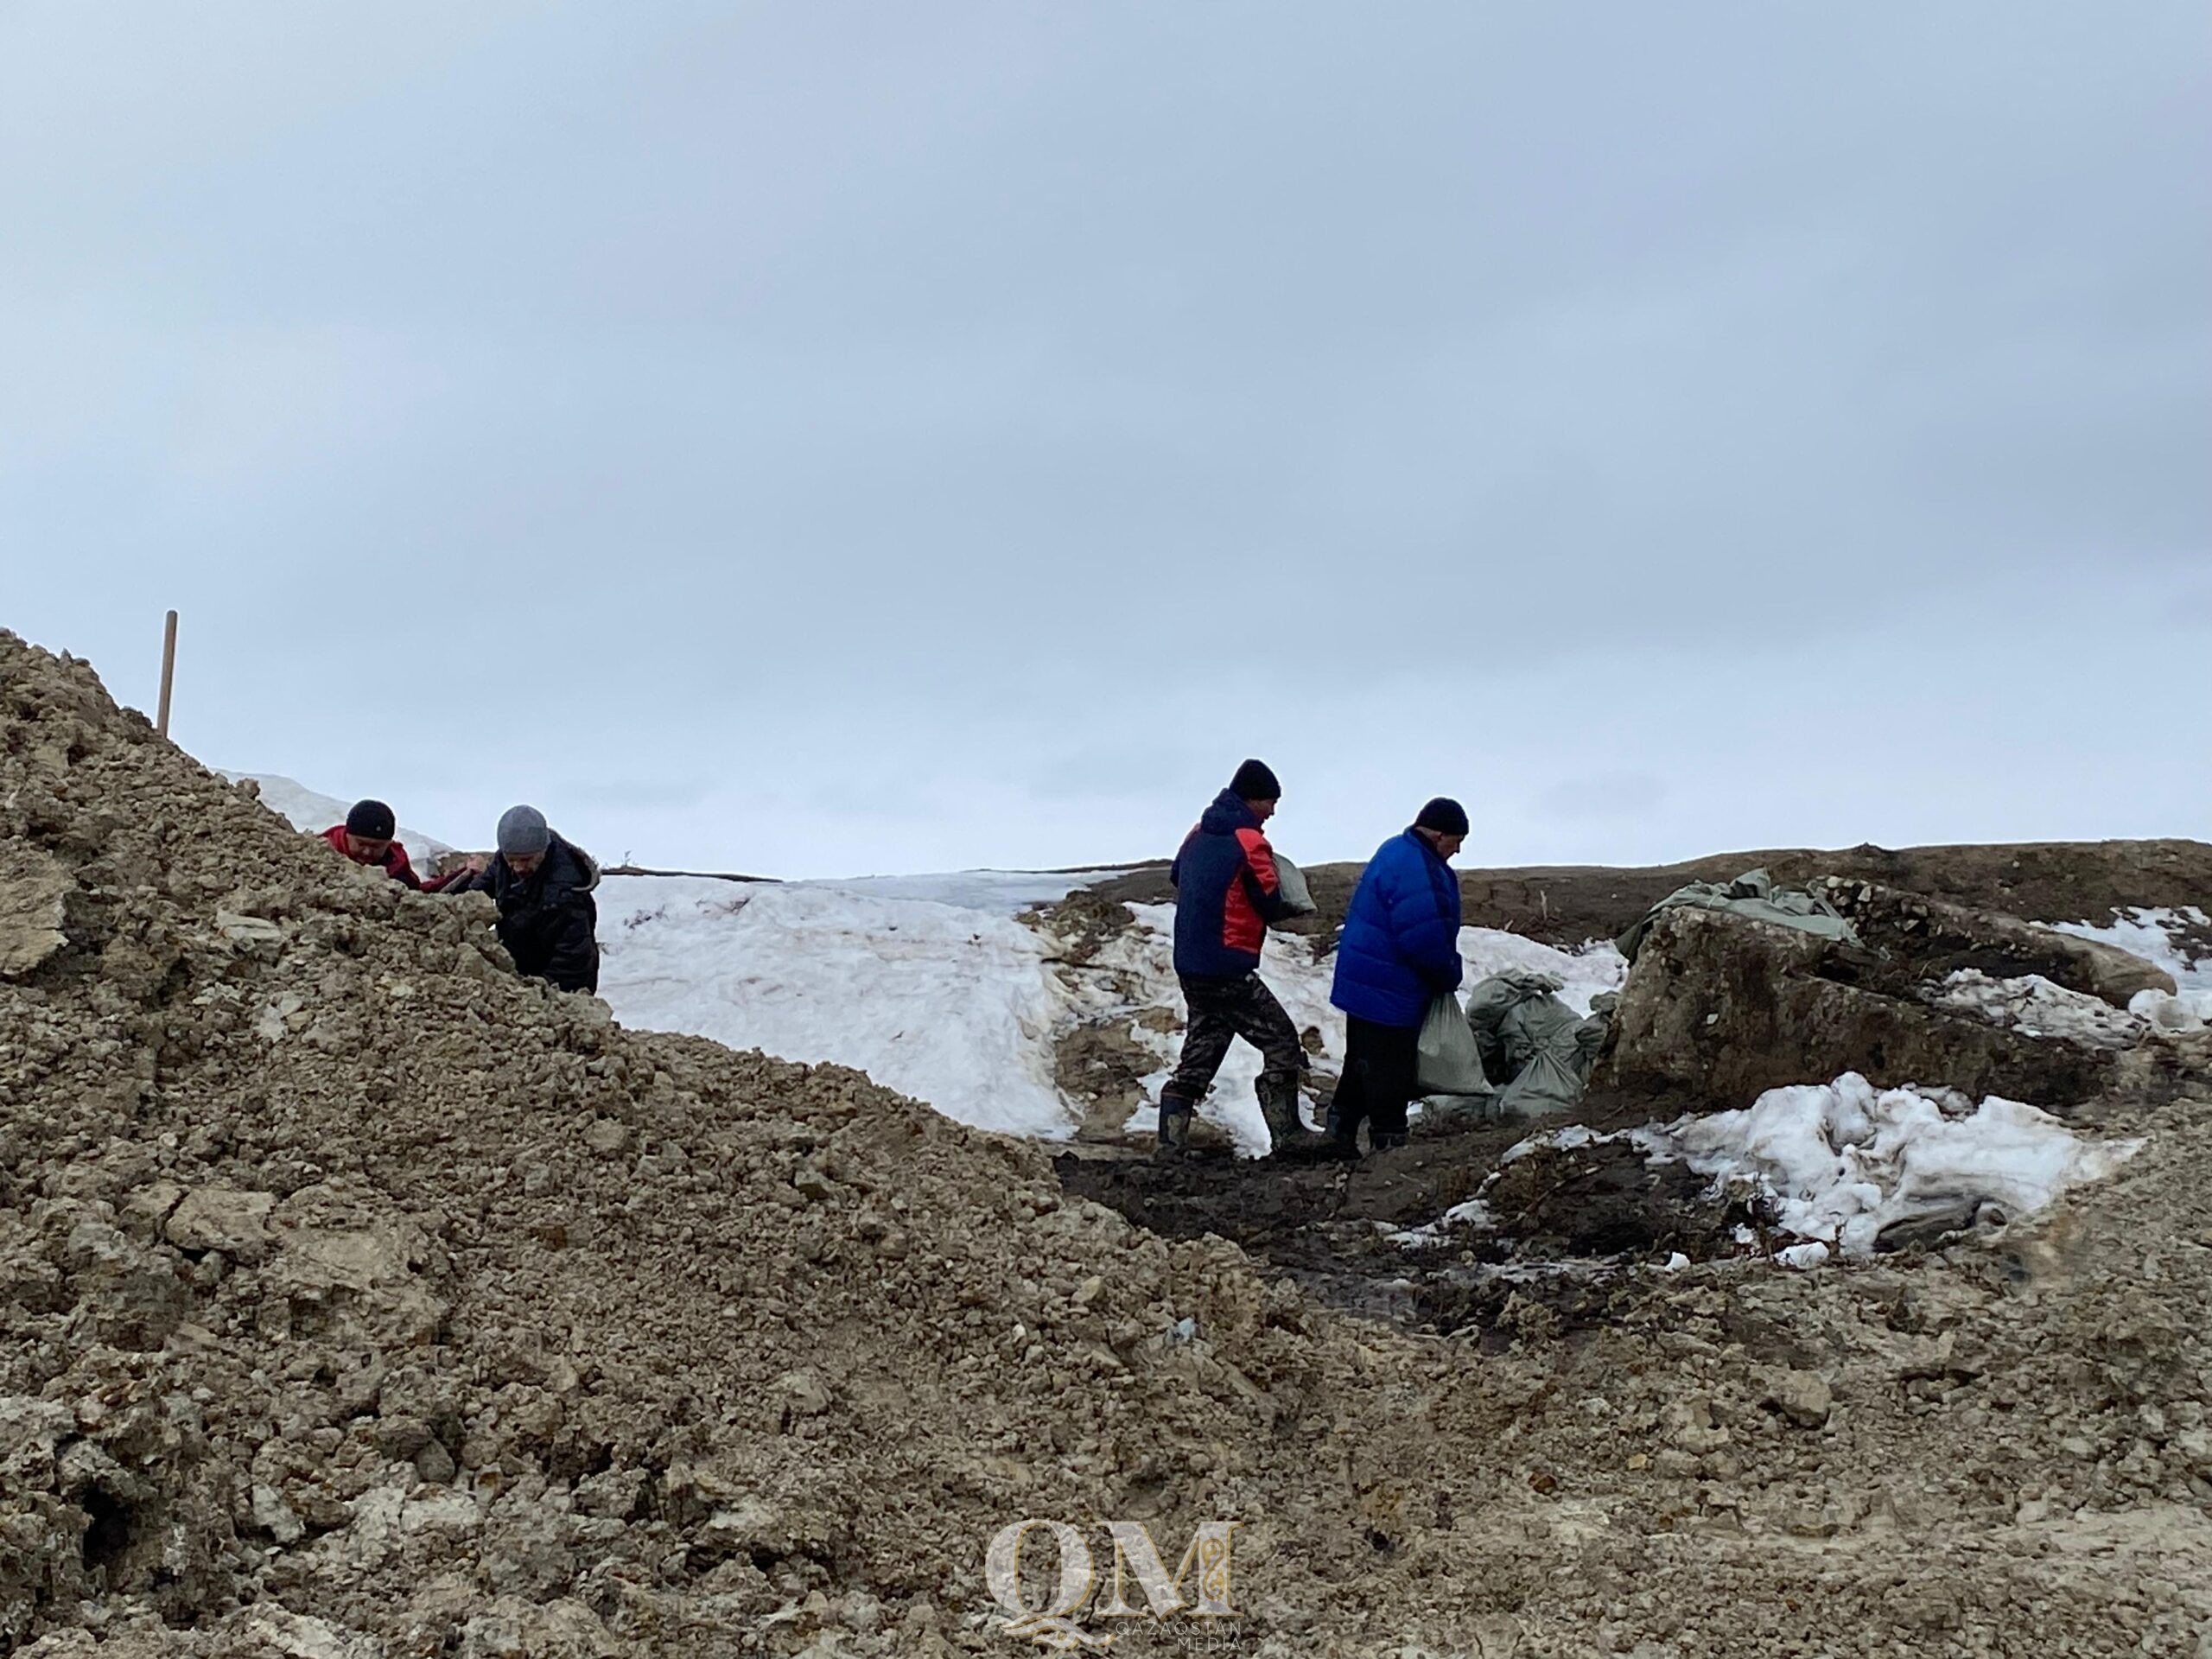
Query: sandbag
column 1450, row 1063
column 1753, row 894
column 1291, row 887
column 1538, row 1050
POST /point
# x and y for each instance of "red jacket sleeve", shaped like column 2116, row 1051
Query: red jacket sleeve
column 1261, row 878
column 1261, row 857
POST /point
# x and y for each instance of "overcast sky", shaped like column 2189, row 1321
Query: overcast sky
column 821, row 438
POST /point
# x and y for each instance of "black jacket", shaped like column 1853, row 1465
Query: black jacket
column 548, row 919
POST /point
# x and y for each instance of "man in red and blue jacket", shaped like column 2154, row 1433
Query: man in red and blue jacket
column 1226, row 891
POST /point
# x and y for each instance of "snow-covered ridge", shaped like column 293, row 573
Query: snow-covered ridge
column 927, row 984
column 313, row 811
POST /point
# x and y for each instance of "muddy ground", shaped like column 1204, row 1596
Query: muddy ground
column 1564, row 1221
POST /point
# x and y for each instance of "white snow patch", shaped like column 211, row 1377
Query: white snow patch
column 1843, row 1161
column 996, row 893
column 315, row 812
column 1572, row 1137
column 2157, row 935
column 1474, row 1216
column 2162, row 938
column 2037, row 1007
column 953, row 1003
column 1588, row 971
column 2188, row 1010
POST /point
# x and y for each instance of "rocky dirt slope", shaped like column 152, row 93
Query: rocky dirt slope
column 357, row 1301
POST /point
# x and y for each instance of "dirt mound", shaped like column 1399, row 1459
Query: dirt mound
column 342, row 1269
column 1565, row 905
column 360, row 1301
column 1717, row 1009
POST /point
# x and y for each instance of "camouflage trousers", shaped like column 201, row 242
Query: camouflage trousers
column 1222, row 1010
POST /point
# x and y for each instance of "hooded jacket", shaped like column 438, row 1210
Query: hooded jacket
column 1226, row 892
column 548, row 919
column 394, row 863
column 1400, row 948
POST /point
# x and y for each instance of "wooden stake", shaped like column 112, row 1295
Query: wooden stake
column 169, row 673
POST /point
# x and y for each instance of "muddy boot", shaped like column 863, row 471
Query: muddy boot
column 1174, row 1139
column 1385, row 1141
column 1287, row 1135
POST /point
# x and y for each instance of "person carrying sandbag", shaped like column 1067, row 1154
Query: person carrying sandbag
column 1398, row 953
column 1226, row 891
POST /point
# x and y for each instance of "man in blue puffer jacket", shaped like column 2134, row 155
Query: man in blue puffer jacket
column 1398, row 952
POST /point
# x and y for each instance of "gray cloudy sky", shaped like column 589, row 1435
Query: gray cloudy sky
column 831, row 437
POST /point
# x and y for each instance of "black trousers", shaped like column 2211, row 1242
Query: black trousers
column 1380, row 1076
column 1221, row 1011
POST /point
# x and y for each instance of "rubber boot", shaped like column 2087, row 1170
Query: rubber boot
column 1287, row 1135
column 1174, row 1139
column 1385, row 1143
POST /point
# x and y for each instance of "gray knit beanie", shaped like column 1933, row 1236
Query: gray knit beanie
column 522, row 831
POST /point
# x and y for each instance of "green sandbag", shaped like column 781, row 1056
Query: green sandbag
column 1752, row 894
column 1537, row 1049
column 1450, row 1063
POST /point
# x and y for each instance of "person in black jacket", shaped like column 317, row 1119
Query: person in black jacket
column 548, row 919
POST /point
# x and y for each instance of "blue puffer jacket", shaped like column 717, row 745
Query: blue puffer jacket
column 1399, row 947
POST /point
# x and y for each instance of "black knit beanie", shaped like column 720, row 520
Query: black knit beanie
column 1255, row 782
column 370, row 820
column 1445, row 815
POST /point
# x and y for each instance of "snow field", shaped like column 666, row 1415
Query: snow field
column 945, row 998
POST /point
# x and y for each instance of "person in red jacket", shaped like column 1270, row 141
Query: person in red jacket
column 1226, row 892
column 366, row 838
